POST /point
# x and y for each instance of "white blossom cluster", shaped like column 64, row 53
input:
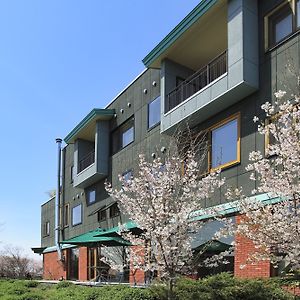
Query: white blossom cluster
column 160, row 199
column 275, row 228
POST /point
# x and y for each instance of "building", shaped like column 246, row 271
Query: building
column 214, row 69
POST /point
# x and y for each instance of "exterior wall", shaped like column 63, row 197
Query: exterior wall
column 54, row 269
column 273, row 75
column 82, row 264
column 244, row 247
column 137, row 276
column 48, row 215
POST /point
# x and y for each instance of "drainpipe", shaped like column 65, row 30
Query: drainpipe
column 57, row 201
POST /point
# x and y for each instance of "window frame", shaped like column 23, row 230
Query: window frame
column 117, row 135
column 99, row 214
column 66, row 216
column 148, row 114
column 269, row 29
column 118, row 210
column 46, row 229
column 81, row 213
column 236, row 116
column 88, row 191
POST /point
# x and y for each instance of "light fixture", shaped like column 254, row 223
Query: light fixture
column 145, row 91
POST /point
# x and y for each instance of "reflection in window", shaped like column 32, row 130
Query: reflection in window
column 154, row 112
column 77, row 215
column 224, row 144
column 91, row 196
column 127, row 137
column 127, row 176
column 114, row 211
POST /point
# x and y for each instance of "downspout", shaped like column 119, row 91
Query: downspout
column 57, row 201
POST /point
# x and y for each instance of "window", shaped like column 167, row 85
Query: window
column 67, row 215
column 114, row 211
column 77, row 215
column 127, row 176
column 154, row 112
column 102, row 215
column 46, row 229
column 127, row 137
column 123, row 136
column 72, row 173
column 282, row 21
column 91, row 195
column 225, row 143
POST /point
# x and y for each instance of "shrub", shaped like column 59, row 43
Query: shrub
column 64, row 284
column 224, row 287
column 31, row 284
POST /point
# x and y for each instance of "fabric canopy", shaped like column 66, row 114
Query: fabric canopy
column 109, row 237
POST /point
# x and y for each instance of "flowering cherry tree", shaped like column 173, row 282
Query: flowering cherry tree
column 159, row 199
column 275, row 228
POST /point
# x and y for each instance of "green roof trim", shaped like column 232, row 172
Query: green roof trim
column 232, row 207
column 213, row 246
column 114, row 231
column 96, row 112
column 184, row 25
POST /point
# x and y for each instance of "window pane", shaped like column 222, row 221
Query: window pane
column 154, row 112
column 127, row 176
column 127, row 137
column 283, row 27
column 91, row 196
column 224, row 144
column 76, row 215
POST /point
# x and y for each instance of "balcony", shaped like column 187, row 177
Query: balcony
column 193, row 84
column 86, row 161
column 91, row 147
column 208, row 62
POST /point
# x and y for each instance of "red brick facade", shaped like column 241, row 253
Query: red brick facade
column 137, row 276
column 243, row 247
column 53, row 268
column 83, row 264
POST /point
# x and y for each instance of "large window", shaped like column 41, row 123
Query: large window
column 154, row 112
column 123, row 136
column 225, row 143
column 282, row 21
column 77, row 215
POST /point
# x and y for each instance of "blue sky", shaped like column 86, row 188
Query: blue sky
column 58, row 60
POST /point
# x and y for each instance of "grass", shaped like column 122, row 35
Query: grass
column 32, row 290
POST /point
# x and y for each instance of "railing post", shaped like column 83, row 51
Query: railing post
column 207, row 74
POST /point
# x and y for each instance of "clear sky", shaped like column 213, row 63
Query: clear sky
column 58, row 60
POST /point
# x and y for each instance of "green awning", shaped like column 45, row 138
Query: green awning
column 91, row 239
column 213, row 246
column 131, row 226
column 38, row 250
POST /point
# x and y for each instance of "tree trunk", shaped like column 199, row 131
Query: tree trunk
column 171, row 284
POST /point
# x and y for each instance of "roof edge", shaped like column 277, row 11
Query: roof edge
column 185, row 24
column 89, row 117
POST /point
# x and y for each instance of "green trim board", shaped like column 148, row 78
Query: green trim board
column 96, row 113
column 182, row 27
column 232, row 207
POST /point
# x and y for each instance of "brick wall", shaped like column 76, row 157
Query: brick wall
column 243, row 247
column 136, row 276
column 83, row 264
column 54, row 269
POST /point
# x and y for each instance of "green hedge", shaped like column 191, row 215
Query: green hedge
column 225, row 287
column 218, row 287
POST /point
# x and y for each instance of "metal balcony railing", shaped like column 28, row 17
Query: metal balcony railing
column 86, row 161
column 197, row 81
